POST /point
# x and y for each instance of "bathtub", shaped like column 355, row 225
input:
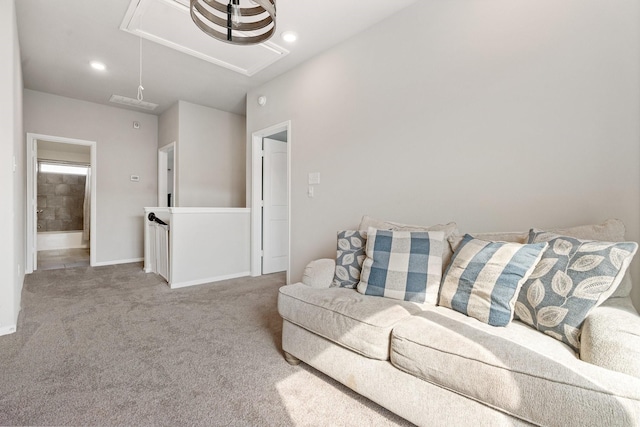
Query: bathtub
column 50, row 240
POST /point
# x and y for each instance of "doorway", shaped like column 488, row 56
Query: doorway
column 167, row 194
column 271, row 200
column 60, row 221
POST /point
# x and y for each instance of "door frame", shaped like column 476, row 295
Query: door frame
column 163, row 181
column 256, row 194
column 32, row 196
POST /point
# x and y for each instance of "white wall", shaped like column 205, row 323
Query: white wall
column 12, row 178
column 497, row 114
column 168, row 126
column 169, row 132
column 209, row 245
column 121, row 151
column 210, row 157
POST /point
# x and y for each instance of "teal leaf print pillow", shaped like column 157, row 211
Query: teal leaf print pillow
column 349, row 258
column 573, row 277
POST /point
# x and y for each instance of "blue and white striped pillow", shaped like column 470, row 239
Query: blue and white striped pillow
column 402, row 264
column 484, row 278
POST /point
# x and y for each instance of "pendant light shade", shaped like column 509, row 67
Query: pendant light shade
column 232, row 23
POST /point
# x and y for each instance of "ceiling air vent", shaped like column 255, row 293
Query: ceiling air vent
column 130, row 102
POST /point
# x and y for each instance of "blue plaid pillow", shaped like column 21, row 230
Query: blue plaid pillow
column 402, row 264
column 484, row 278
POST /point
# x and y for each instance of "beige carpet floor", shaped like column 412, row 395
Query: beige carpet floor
column 63, row 258
column 115, row 346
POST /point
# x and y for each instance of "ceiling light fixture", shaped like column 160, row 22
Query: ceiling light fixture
column 98, row 65
column 234, row 24
column 289, row 36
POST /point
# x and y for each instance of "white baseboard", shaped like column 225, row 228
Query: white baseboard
column 6, row 330
column 119, row 261
column 209, row 280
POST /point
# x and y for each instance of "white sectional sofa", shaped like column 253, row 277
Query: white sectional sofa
column 435, row 366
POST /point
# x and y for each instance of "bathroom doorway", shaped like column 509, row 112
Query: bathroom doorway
column 61, row 196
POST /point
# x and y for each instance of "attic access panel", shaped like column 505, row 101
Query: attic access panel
column 169, row 23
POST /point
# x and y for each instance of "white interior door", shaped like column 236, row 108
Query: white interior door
column 275, row 213
column 33, row 207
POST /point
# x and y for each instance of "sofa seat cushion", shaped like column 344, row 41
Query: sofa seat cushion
column 358, row 322
column 514, row 369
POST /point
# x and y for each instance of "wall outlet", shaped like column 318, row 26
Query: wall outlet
column 135, row 178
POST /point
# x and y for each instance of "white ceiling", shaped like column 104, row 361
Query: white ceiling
column 59, row 38
column 148, row 18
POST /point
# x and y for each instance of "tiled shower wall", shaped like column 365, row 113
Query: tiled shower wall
column 61, row 199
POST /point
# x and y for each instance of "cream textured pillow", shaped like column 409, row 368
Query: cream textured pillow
column 611, row 230
column 511, row 237
column 379, row 224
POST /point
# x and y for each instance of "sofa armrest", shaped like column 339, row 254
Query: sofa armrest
column 611, row 337
column 319, row 273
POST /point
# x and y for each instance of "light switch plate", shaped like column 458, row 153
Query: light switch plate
column 314, row 178
column 135, row 178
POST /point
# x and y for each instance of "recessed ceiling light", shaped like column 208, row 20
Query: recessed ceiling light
column 98, row 66
column 289, row 36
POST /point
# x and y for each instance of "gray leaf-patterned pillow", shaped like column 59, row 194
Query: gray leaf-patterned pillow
column 349, row 259
column 573, row 277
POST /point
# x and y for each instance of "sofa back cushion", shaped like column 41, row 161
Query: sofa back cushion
column 611, row 230
column 508, row 236
column 449, row 229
